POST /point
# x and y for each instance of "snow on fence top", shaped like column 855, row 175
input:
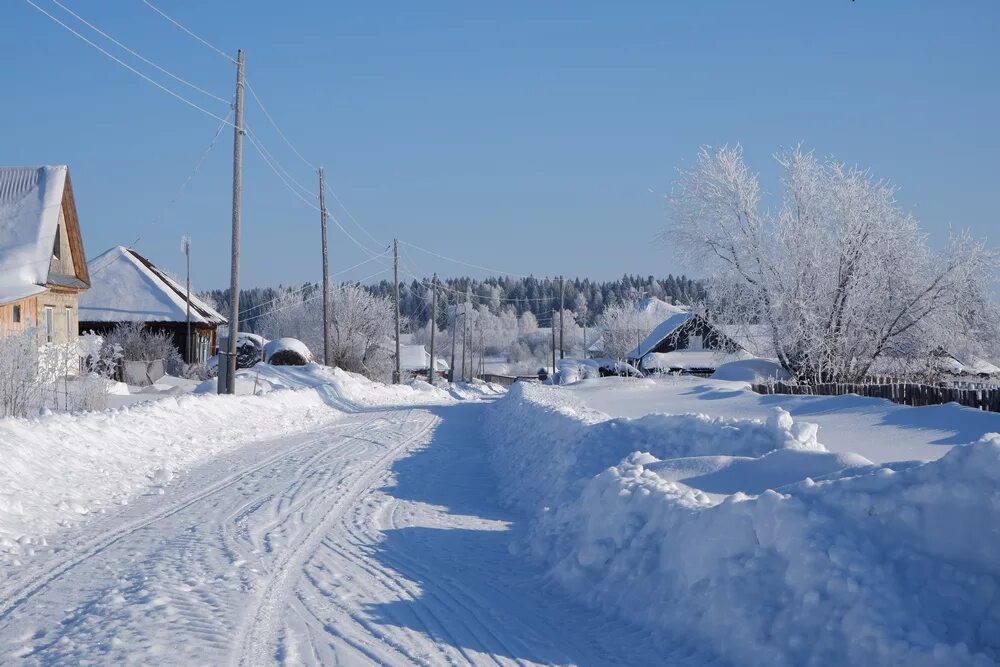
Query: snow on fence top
column 30, row 202
column 127, row 287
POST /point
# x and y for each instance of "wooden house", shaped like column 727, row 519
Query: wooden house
column 687, row 343
column 43, row 269
column 127, row 287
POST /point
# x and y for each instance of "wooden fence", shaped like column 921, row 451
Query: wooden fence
column 979, row 397
column 506, row 380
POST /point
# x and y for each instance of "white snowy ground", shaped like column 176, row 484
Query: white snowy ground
column 875, row 428
column 341, row 523
column 749, row 535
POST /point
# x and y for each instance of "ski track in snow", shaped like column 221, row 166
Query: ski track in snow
column 372, row 540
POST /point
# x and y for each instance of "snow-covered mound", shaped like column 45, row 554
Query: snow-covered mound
column 653, row 519
column 287, row 352
column 750, row 370
column 572, row 370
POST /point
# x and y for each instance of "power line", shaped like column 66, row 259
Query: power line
column 177, row 195
column 189, row 32
column 130, row 68
column 284, row 138
column 138, row 55
column 255, row 143
column 278, row 129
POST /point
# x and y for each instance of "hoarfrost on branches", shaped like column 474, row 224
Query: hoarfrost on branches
column 840, row 276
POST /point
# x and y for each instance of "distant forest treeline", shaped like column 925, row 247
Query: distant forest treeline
column 537, row 295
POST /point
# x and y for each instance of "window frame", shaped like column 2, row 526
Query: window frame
column 50, row 324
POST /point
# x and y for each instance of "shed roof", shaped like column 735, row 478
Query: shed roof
column 30, row 201
column 127, row 287
column 662, row 330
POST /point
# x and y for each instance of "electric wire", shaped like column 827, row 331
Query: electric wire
column 130, row 68
column 137, row 54
column 189, row 32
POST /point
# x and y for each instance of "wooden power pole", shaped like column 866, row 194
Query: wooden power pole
column 397, row 374
column 434, row 310
column 186, row 244
column 465, row 332
column 326, row 270
column 229, row 380
column 454, row 326
column 562, row 293
column 552, row 326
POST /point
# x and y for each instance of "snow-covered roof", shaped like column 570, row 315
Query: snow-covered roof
column 30, row 202
column 417, row 358
column 273, row 347
column 662, row 330
column 690, row 359
column 127, row 287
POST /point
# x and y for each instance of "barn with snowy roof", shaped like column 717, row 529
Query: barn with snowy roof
column 42, row 266
column 687, row 343
column 127, row 287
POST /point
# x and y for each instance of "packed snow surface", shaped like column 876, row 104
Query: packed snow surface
column 751, row 537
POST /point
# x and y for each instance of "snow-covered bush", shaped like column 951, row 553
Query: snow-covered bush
column 20, row 384
column 839, row 275
column 362, row 323
column 138, row 343
column 624, row 325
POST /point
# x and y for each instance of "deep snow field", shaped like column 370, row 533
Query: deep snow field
column 741, row 528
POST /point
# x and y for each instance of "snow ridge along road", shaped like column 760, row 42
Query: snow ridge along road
column 373, row 539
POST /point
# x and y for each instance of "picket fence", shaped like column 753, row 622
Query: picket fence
column 981, row 397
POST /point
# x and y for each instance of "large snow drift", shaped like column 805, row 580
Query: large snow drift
column 845, row 563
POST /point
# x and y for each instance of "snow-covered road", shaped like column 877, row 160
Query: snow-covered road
column 370, row 540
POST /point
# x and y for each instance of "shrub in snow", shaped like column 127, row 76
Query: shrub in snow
column 872, row 566
column 287, row 352
column 138, row 343
column 20, row 384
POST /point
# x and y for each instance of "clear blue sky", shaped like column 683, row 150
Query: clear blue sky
column 536, row 137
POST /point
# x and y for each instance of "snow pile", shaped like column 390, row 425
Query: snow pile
column 571, row 371
column 750, row 370
column 651, row 519
column 287, row 352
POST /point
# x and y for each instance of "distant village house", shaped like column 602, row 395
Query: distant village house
column 127, row 287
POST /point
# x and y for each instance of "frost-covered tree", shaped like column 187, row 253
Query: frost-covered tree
column 362, row 324
column 841, row 278
column 623, row 326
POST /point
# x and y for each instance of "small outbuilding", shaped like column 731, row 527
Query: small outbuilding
column 127, row 287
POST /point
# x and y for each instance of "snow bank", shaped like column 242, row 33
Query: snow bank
column 750, row 370
column 651, row 519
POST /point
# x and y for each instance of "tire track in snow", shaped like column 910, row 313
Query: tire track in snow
column 17, row 597
column 260, row 634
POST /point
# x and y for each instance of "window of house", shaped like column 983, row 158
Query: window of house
column 57, row 246
column 69, row 324
column 16, row 316
column 696, row 342
column 50, row 329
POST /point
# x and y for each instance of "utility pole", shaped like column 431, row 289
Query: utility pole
column 562, row 293
column 326, row 270
column 465, row 332
column 234, row 278
column 186, row 246
column 552, row 326
column 434, row 310
column 454, row 326
column 396, row 374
